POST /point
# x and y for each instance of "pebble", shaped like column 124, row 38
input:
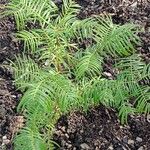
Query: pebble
column 81, row 131
column 5, row 142
column 130, row 142
column 84, row 146
column 4, row 137
column 108, row 74
column 148, row 118
column 67, row 136
column 63, row 129
column 125, row 139
column 110, row 147
column 141, row 148
column 138, row 139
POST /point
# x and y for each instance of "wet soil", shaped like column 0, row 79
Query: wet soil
column 9, row 96
column 100, row 128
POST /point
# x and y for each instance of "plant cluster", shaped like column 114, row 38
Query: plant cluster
column 70, row 77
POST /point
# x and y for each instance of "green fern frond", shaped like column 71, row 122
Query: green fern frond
column 29, row 139
column 48, row 86
column 70, row 7
column 24, row 67
column 32, row 39
column 124, row 111
column 117, row 40
column 90, row 64
column 143, row 100
column 31, row 10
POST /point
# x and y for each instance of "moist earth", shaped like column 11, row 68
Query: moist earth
column 9, row 95
column 99, row 128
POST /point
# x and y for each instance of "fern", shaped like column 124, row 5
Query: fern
column 31, row 10
column 24, row 67
column 117, row 40
column 48, row 92
column 29, row 139
column 89, row 64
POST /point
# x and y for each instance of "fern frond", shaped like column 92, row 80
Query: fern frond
column 143, row 100
column 32, row 39
column 31, row 10
column 124, row 111
column 117, row 40
column 84, row 29
column 90, row 64
column 24, row 67
column 29, row 139
column 48, row 86
column 70, row 7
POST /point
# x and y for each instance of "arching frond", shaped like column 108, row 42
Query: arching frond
column 70, row 7
column 32, row 39
column 24, row 68
column 117, row 40
column 143, row 100
column 31, row 10
column 124, row 111
column 84, row 29
column 48, row 86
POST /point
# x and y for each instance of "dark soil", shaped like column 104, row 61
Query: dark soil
column 100, row 128
column 9, row 96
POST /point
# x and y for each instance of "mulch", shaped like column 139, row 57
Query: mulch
column 100, row 128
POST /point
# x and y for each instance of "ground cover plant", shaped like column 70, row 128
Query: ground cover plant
column 69, row 77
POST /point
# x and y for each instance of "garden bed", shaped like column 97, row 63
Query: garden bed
column 100, row 127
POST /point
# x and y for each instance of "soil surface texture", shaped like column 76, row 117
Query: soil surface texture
column 9, row 96
column 98, row 129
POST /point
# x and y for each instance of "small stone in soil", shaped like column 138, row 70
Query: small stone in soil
column 141, row 148
column 84, row 146
column 138, row 139
column 130, row 142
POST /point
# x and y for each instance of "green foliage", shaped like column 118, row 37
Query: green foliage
column 49, row 91
column 90, row 63
column 116, row 40
column 29, row 139
column 31, row 11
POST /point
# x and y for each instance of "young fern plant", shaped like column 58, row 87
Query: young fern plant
column 54, row 42
column 50, row 92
